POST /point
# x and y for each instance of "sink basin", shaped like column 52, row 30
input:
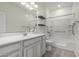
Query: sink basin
column 25, row 34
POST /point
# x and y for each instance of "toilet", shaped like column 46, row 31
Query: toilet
column 49, row 44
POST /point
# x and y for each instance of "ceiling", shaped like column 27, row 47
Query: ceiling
column 18, row 4
column 46, row 5
column 53, row 5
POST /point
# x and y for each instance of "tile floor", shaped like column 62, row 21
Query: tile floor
column 58, row 52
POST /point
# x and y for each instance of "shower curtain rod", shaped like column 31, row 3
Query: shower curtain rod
column 61, row 15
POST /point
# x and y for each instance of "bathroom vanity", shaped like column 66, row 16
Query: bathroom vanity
column 31, row 45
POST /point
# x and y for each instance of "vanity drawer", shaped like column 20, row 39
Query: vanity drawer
column 31, row 41
column 6, row 49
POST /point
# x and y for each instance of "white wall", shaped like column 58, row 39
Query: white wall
column 71, row 43
column 75, row 9
column 2, row 22
column 60, row 11
column 64, row 39
column 15, row 16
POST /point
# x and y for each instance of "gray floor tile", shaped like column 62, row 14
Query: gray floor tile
column 58, row 52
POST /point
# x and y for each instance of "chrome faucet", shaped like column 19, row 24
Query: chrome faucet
column 26, row 27
column 34, row 28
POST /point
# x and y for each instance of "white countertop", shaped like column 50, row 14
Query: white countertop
column 15, row 38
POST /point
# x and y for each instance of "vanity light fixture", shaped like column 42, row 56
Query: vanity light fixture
column 31, row 6
column 58, row 6
column 23, row 3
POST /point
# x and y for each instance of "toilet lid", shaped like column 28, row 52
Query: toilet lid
column 49, row 41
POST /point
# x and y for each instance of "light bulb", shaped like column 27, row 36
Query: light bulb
column 31, row 8
column 23, row 3
column 27, row 5
column 59, row 6
column 32, row 3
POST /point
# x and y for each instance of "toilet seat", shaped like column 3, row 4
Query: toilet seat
column 49, row 42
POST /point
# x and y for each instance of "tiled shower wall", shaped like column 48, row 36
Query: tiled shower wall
column 62, row 26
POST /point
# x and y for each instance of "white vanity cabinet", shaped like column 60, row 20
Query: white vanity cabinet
column 43, row 45
column 27, row 47
column 10, row 50
column 32, row 47
column 15, row 54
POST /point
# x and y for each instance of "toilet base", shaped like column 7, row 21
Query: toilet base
column 49, row 44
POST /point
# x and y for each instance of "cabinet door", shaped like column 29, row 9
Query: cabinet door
column 38, row 49
column 33, row 50
column 8, row 50
column 43, row 45
column 14, row 54
column 29, row 51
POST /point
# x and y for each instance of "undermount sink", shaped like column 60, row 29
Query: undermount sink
column 25, row 34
